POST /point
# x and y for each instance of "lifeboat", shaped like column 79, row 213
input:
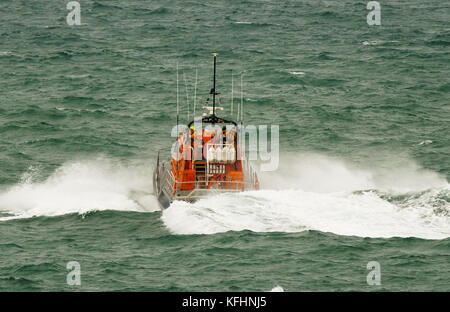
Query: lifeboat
column 206, row 159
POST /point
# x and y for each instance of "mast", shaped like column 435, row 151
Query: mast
column 195, row 90
column 178, row 112
column 187, row 96
column 214, row 85
column 178, row 106
column 231, row 92
column 241, row 115
column 242, row 100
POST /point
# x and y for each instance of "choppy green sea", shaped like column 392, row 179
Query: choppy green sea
column 364, row 121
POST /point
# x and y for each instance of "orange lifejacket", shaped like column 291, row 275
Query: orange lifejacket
column 210, row 185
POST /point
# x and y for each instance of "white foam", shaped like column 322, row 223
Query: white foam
column 277, row 288
column 308, row 192
column 324, row 174
column 80, row 187
column 375, row 42
column 426, row 142
column 324, row 194
column 316, row 173
column 343, row 213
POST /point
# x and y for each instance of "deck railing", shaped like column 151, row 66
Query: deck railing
column 173, row 187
